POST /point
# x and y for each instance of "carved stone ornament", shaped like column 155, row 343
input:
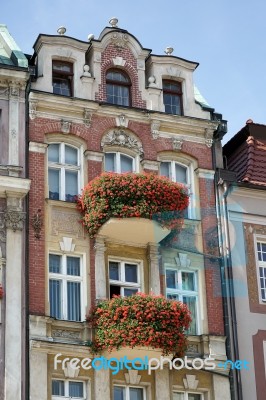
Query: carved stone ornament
column 14, row 219
column 208, row 137
column 155, row 126
column 65, row 126
column 37, row 223
column 87, row 115
column 118, row 137
column 132, row 377
column 13, row 133
column 13, row 91
column 2, row 229
column 121, row 121
column 177, row 144
column 33, row 109
column 119, row 40
column 190, row 382
column 192, row 348
column 61, row 333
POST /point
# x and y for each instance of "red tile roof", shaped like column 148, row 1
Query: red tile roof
column 246, row 154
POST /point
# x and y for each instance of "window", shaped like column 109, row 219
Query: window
column 62, row 78
column 67, row 390
column 172, row 97
column 177, row 173
column 65, row 287
column 187, row 396
column 63, row 172
column 124, row 278
column 118, row 162
column 118, row 88
column 182, row 286
column 261, row 253
column 128, row 393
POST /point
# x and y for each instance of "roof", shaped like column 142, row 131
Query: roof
column 10, row 53
column 246, row 154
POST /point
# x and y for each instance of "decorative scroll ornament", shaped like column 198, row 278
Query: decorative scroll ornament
column 37, row 223
column 177, row 144
column 208, row 137
column 87, row 115
column 118, row 137
column 119, row 40
column 121, row 121
column 155, row 126
column 14, row 219
column 65, row 126
column 33, row 109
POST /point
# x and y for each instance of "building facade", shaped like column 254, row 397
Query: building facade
column 245, row 198
column 111, row 105
column 13, row 188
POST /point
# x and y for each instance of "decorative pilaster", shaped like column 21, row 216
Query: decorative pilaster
column 13, row 155
column 102, row 384
column 162, row 386
column 100, row 283
column 154, row 258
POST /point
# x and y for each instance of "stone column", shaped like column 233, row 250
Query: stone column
column 13, row 156
column 162, row 388
column 100, row 270
column 38, row 375
column 221, row 387
column 102, row 385
column 14, row 218
column 154, row 258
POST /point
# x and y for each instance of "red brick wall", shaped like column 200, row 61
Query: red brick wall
column 36, row 246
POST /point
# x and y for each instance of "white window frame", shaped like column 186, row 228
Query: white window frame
column 64, row 278
column 128, row 387
column 179, row 292
column 135, row 161
column 260, row 264
column 62, row 167
column 66, row 385
column 190, row 182
column 187, row 393
column 123, row 283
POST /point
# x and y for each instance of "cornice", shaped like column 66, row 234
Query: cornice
column 13, row 186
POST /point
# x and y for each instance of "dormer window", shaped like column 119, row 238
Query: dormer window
column 118, row 88
column 62, row 78
column 172, row 97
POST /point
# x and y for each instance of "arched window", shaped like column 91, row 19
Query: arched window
column 63, row 172
column 118, row 162
column 172, row 97
column 118, row 87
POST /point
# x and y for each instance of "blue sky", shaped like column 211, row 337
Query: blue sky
column 227, row 38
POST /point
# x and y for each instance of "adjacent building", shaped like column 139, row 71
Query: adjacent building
column 13, row 189
column 245, row 235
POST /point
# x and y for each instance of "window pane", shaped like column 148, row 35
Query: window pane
column 71, row 185
column 55, row 263
column 262, row 272
column 55, row 298
column 53, row 152
column 171, row 279
column 165, row 169
column 114, row 271
column 73, row 266
column 119, row 393
column 71, row 155
column 53, row 177
column 76, row 389
column 117, row 76
column 115, row 291
column 173, row 296
column 178, row 396
column 194, row 396
column 130, row 292
column 135, row 394
column 62, row 67
column 62, row 86
column 73, row 301
column 58, row 388
column 190, row 301
column 188, row 281
column 180, row 174
column 117, row 94
column 109, row 162
column 126, row 163
column 131, row 273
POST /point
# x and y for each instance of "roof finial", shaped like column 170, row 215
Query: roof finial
column 90, row 37
column 169, row 50
column 113, row 22
column 61, row 30
column 249, row 121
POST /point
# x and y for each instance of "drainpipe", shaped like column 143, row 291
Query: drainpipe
column 228, row 286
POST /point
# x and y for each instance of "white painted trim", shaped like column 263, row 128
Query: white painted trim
column 243, row 217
